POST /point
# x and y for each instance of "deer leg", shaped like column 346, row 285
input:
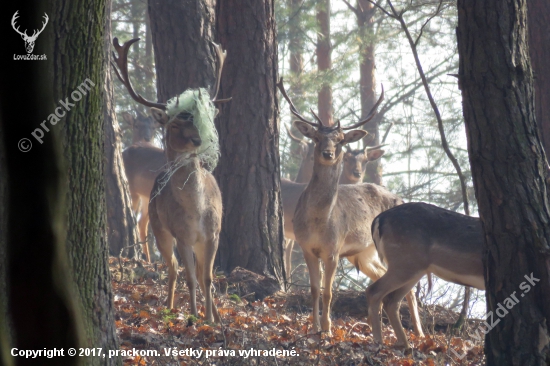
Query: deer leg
column 312, row 263
column 389, row 282
column 165, row 245
column 289, row 245
column 415, row 317
column 330, row 271
column 142, row 225
column 186, row 254
column 368, row 263
column 392, row 303
column 205, row 265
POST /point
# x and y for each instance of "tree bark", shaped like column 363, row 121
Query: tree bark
column 508, row 168
column 41, row 313
column 248, row 172
column 84, row 133
column 367, row 83
column 538, row 16
column 121, row 221
column 324, row 62
column 182, row 32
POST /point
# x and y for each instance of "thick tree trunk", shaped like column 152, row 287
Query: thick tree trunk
column 41, row 310
column 5, row 329
column 367, row 83
column 508, row 168
column 84, row 136
column 182, row 32
column 248, row 172
column 324, row 62
column 121, row 222
column 538, row 16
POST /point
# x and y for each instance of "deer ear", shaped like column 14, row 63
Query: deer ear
column 128, row 118
column 375, row 154
column 353, row 136
column 159, row 115
column 305, row 129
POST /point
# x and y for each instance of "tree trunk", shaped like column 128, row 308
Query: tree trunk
column 84, row 134
column 121, row 222
column 5, row 329
column 324, row 62
column 508, row 169
column 538, row 12
column 41, row 311
column 182, row 32
column 367, row 83
column 248, row 172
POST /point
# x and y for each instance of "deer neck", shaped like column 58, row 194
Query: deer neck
column 322, row 190
column 187, row 181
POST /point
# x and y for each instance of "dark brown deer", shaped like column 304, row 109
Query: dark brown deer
column 186, row 203
column 332, row 220
column 416, row 239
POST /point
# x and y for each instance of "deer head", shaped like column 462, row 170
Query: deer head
column 29, row 40
column 329, row 140
column 355, row 162
column 181, row 135
column 143, row 126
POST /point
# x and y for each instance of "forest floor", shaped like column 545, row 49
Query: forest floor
column 254, row 332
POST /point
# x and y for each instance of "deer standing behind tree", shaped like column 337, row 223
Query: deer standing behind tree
column 186, row 202
column 143, row 161
column 332, row 220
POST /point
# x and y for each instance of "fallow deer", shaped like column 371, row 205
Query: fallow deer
column 143, row 161
column 186, row 203
column 415, row 239
column 332, row 220
column 291, row 191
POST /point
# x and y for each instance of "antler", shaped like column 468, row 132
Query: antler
column 122, row 63
column 293, row 109
column 36, row 33
column 371, row 113
column 292, row 137
column 369, row 148
column 221, row 55
column 13, row 19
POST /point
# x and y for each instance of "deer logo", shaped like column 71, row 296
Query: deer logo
column 29, row 40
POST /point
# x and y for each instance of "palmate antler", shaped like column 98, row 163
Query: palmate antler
column 293, row 109
column 122, row 62
column 319, row 123
column 221, row 55
column 122, row 73
column 369, row 116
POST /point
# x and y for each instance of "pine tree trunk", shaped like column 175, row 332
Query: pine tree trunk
column 182, row 32
column 121, row 222
column 538, row 15
column 324, row 62
column 367, row 83
column 84, row 134
column 248, row 172
column 508, row 169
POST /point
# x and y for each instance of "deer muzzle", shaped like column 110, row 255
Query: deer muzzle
column 328, row 154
